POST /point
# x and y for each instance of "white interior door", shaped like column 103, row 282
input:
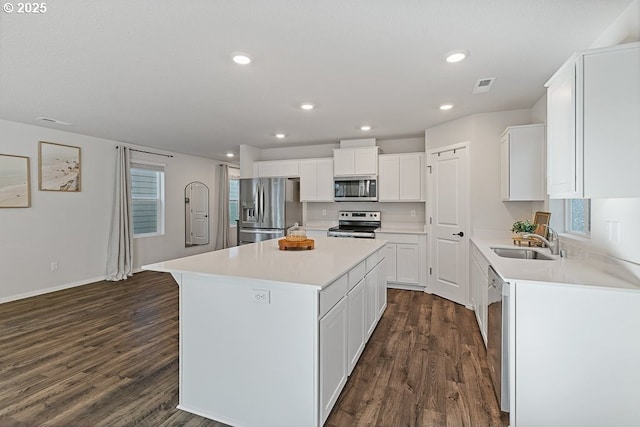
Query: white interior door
column 199, row 204
column 449, row 240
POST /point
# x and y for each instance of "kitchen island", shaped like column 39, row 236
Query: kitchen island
column 269, row 337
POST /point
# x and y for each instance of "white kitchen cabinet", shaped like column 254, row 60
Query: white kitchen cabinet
column 406, row 259
column 611, row 122
column 316, row 180
column 355, row 161
column 350, row 309
column 478, row 275
column 381, row 276
column 390, row 251
column 575, row 358
column 563, row 167
column 522, row 163
column 276, row 168
column 333, row 356
column 356, row 335
column 401, row 177
column 593, row 105
column 371, row 304
column 407, row 263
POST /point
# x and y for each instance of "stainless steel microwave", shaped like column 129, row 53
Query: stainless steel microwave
column 355, row 189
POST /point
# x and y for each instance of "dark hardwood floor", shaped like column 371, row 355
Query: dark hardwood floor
column 106, row 354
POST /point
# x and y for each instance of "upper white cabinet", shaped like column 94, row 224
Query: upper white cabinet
column 593, row 105
column 401, row 177
column 316, row 180
column 355, row 161
column 273, row 168
column 522, row 163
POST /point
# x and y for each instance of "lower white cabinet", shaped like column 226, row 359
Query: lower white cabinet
column 333, row 356
column 359, row 298
column 478, row 276
column 406, row 259
column 356, row 341
column 407, row 263
column 574, row 359
column 381, row 276
column 371, row 306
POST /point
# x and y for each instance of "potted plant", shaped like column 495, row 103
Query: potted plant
column 520, row 227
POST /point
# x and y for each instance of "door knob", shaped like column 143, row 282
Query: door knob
column 461, row 234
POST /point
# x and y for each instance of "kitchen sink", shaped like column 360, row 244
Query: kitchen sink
column 521, row 253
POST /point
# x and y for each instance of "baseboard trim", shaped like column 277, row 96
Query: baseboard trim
column 405, row 286
column 52, row 289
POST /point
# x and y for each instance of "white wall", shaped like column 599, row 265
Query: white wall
column 483, row 131
column 180, row 170
column 625, row 29
column 72, row 228
column 390, row 212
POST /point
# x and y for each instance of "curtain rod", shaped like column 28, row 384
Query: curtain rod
column 148, row 152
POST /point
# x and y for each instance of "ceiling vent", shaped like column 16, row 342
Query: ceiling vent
column 55, row 121
column 483, row 85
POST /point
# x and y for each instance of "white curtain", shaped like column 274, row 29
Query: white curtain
column 120, row 249
column 222, row 235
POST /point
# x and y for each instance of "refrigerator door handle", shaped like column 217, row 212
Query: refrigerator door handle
column 256, row 213
column 261, row 203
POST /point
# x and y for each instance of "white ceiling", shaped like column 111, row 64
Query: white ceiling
column 159, row 73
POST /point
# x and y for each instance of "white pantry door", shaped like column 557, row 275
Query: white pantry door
column 449, row 239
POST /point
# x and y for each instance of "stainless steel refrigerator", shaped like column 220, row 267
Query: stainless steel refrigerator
column 268, row 206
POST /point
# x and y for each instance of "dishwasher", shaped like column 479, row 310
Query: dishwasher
column 498, row 336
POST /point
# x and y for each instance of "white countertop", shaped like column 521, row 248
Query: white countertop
column 330, row 259
column 402, row 228
column 559, row 270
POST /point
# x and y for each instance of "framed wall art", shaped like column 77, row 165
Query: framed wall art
column 15, row 189
column 59, row 167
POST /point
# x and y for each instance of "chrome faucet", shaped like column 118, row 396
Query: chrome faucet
column 553, row 243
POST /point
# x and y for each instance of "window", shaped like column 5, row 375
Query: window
column 234, row 196
column 147, row 196
column 578, row 216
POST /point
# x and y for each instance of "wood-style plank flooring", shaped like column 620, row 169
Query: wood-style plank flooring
column 106, row 354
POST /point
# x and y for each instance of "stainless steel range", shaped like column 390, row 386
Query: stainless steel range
column 358, row 224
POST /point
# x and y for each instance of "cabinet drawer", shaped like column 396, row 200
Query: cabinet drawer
column 330, row 295
column 356, row 274
column 482, row 262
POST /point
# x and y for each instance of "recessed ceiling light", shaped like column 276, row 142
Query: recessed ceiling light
column 307, row 106
column 230, row 154
column 446, row 107
column 241, row 58
column 365, row 128
column 457, row 55
column 280, row 135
